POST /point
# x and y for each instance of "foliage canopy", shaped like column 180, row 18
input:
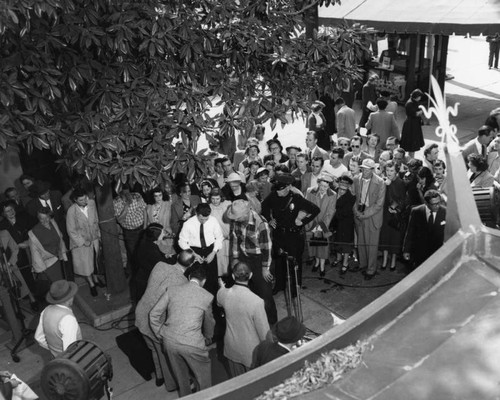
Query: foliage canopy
column 104, row 82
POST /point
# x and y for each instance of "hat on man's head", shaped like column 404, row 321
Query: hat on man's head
column 289, row 330
column 40, row 187
column 293, row 147
column 238, row 209
column 61, row 291
column 319, row 103
column 233, row 177
column 281, row 181
column 368, row 163
column 325, row 177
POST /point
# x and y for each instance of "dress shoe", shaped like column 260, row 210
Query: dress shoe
column 315, row 268
column 383, row 266
column 93, row 291
column 369, row 276
column 159, row 382
column 392, row 268
column 344, row 269
column 322, row 274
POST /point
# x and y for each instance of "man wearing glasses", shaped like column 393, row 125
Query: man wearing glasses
column 356, row 143
column 425, row 232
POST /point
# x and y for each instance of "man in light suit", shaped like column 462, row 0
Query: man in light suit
column 369, row 190
column 382, row 122
column 187, row 331
column 424, row 234
column 246, row 320
column 346, row 119
column 313, row 150
column 479, row 145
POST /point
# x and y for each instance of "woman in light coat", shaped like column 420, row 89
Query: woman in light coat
column 82, row 224
column 325, row 199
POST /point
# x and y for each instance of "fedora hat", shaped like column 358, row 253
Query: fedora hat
column 368, row 163
column 238, row 209
column 61, row 291
column 233, row 177
column 289, row 330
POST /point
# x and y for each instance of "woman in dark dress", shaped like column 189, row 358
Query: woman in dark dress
column 147, row 255
column 343, row 222
column 392, row 225
column 316, row 122
column 412, row 138
column 276, row 154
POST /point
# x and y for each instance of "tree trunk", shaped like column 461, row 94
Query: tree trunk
column 311, row 22
column 115, row 274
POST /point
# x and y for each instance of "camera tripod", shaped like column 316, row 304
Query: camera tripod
column 293, row 304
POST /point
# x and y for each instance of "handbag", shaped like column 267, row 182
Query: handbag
column 318, row 239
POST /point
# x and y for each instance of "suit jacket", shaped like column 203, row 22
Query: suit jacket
column 483, row 180
column 246, row 322
column 162, row 277
column 469, row 148
column 312, row 124
column 302, row 180
column 383, row 124
column 346, row 122
column 189, row 320
column 57, row 208
column 376, row 199
column 421, row 240
column 318, row 152
column 267, row 351
column 326, row 209
column 176, row 212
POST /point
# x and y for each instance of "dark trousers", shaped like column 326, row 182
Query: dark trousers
column 131, row 238
column 364, row 117
column 494, row 51
column 260, row 287
column 292, row 243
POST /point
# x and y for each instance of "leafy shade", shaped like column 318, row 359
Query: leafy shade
column 105, row 82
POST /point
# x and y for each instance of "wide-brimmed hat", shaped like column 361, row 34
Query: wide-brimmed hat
column 281, row 181
column 61, row 291
column 238, row 209
column 319, row 103
column 293, row 147
column 289, row 330
column 368, row 163
column 233, row 177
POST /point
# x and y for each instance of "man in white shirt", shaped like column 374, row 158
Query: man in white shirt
column 58, row 327
column 203, row 234
column 336, row 168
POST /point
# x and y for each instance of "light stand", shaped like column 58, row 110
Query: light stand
column 11, row 289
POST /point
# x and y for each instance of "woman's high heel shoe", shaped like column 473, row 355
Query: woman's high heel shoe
column 344, row 269
column 322, row 274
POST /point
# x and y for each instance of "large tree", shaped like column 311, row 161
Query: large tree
column 104, row 82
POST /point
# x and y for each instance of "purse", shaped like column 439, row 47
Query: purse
column 318, row 239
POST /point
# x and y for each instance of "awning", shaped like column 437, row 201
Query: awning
column 441, row 17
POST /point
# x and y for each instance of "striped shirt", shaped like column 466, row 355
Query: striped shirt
column 251, row 238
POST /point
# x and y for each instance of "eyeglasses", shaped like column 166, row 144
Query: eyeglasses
column 355, row 147
column 434, row 204
column 273, row 148
column 344, row 144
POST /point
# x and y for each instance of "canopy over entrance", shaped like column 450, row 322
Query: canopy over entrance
column 440, row 17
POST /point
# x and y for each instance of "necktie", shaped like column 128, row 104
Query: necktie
column 202, row 237
column 47, row 204
column 431, row 219
column 483, row 150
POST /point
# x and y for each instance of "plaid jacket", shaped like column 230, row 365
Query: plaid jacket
column 251, row 238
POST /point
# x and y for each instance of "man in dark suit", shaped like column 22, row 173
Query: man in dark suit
column 313, row 150
column 187, row 331
column 425, row 232
column 44, row 197
column 288, row 332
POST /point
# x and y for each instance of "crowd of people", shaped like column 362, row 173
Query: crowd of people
column 222, row 242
